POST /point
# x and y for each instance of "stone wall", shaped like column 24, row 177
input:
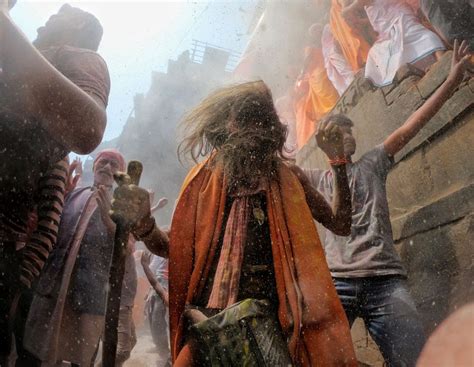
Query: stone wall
column 430, row 189
column 151, row 133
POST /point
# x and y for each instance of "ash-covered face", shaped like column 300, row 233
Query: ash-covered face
column 104, row 170
column 348, row 140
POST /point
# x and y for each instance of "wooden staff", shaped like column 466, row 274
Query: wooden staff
column 117, row 271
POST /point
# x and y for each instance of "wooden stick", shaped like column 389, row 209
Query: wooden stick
column 117, row 271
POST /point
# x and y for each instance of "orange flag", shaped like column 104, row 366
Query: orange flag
column 318, row 97
column 354, row 47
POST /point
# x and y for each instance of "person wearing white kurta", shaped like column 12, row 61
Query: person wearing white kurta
column 338, row 69
column 402, row 39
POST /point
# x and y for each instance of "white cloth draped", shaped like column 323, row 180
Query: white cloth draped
column 338, row 69
column 402, row 39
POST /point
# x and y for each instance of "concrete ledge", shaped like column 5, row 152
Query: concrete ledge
column 445, row 210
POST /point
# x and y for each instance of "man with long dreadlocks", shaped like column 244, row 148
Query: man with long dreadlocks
column 248, row 279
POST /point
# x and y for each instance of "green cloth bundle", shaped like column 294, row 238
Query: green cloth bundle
column 244, row 334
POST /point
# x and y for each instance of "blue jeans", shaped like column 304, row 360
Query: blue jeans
column 389, row 314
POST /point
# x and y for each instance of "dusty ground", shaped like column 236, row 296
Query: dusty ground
column 143, row 355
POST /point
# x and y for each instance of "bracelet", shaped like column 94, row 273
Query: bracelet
column 338, row 161
column 147, row 232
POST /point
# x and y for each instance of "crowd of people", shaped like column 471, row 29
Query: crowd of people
column 374, row 38
column 241, row 276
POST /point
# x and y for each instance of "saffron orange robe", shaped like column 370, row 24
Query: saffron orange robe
column 309, row 309
column 353, row 45
column 318, row 97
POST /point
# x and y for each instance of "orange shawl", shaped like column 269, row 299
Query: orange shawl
column 353, row 45
column 310, row 312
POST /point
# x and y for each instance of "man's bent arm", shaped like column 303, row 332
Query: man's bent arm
column 338, row 218
column 154, row 282
column 71, row 116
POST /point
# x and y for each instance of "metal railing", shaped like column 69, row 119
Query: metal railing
column 200, row 50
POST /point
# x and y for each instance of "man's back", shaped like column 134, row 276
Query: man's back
column 27, row 150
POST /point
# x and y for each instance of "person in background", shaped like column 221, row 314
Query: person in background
column 240, row 215
column 67, row 314
column 452, row 19
column 316, row 94
column 402, row 39
column 338, row 69
column 367, row 271
column 353, row 41
column 53, row 94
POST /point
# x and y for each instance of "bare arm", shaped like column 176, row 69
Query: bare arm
column 335, row 217
column 145, row 260
column 400, row 137
column 157, row 242
column 71, row 116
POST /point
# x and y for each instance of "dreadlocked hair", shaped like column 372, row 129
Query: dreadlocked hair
column 240, row 125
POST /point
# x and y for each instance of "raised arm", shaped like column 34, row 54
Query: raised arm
column 71, row 116
column 155, row 284
column 336, row 217
column 400, row 137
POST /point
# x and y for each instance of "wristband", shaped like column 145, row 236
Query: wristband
column 338, row 161
column 147, row 232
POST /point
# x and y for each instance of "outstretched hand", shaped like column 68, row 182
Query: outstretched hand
column 459, row 62
column 329, row 138
column 74, row 174
column 145, row 259
column 161, row 204
column 131, row 204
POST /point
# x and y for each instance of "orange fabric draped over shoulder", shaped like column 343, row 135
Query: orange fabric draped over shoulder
column 309, row 312
column 353, row 45
column 318, row 99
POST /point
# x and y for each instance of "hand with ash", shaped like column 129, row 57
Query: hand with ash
column 329, row 138
column 131, row 204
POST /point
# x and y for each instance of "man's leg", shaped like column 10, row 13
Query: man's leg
column 392, row 320
column 348, row 291
column 161, row 332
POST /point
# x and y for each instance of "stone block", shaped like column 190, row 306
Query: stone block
column 435, row 76
column 406, row 71
column 440, row 269
column 388, row 88
column 471, row 84
column 433, row 172
column 351, row 97
column 403, row 88
column 445, row 210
